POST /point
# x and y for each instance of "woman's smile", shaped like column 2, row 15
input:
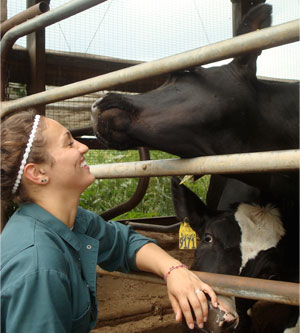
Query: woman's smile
column 84, row 165
column 67, row 153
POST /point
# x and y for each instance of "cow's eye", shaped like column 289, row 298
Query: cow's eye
column 208, row 238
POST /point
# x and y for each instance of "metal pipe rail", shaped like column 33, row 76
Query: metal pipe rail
column 253, row 41
column 68, row 9
column 27, row 14
column 229, row 285
column 154, row 227
column 287, row 160
column 37, row 23
column 137, row 196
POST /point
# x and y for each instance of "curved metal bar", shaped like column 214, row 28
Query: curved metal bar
column 154, row 227
column 137, row 196
column 156, row 220
column 253, row 41
column 53, row 16
column 68, row 9
column 25, row 15
column 5, row 27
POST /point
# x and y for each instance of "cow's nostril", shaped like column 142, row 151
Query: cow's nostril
column 96, row 103
column 94, row 107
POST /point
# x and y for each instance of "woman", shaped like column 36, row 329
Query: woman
column 50, row 246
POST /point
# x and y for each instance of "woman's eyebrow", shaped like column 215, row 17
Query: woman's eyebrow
column 68, row 135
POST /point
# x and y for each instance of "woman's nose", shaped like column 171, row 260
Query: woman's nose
column 82, row 147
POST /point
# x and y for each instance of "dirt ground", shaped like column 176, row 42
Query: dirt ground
column 132, row 306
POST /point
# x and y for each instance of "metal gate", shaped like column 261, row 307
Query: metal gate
column 281, row 292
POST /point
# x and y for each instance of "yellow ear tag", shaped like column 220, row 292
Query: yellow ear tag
column 187, row 236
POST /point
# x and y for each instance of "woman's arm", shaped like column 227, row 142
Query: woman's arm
column 181, row 282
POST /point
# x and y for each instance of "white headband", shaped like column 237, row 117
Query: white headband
column 26, row 153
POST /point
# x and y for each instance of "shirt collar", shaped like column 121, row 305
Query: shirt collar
column 51, row 222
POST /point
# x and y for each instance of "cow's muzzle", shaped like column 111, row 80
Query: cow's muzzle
column 223, row 318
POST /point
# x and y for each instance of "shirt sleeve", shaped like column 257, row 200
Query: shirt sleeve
column 38, row 302
column 118, row 244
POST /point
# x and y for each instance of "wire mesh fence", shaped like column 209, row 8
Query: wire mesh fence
column 147, row 30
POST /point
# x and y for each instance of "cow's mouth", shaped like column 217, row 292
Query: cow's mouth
column 219, row 321
column 111, row 120
column 114, row 101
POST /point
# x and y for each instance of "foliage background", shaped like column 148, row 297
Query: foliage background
column 104, row 194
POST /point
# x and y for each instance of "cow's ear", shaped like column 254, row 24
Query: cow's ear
column 187, row 205
column 258, row 17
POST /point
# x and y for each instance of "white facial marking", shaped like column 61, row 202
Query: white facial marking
column 261, row 229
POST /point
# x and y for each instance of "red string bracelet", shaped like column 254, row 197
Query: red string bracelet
column 172, row 269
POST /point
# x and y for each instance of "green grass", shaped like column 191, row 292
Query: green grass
column 104, row 194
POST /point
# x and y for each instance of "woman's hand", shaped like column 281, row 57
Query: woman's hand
column 187, row 291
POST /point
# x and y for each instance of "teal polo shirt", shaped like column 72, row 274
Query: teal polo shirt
column 48, row 272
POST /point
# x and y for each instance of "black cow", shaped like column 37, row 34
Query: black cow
column 247, row 240
column 212, row 111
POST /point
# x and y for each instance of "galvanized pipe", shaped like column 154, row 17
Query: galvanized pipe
column 229, row 285
column 155, row 220
column 25, row 15
column 221, row 164
column 253, row 41
column 35, row 24
column 68, row 9
column 154, row 227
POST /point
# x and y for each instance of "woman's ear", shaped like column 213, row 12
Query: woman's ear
column 34, row 173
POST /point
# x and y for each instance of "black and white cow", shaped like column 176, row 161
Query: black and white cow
column 212, row 111
column 248, row 240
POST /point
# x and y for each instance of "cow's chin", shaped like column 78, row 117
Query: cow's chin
column 221, row 319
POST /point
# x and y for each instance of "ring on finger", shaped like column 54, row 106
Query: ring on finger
column 198, row 291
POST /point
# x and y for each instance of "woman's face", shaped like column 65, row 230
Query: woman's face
column 69, row 170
